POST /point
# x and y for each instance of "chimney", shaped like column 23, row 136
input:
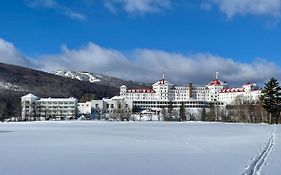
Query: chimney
column 190, row 90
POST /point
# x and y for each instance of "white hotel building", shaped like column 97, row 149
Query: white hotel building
column 163, row 93
column 159, row 96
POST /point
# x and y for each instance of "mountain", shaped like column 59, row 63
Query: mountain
column 45, row 84
column 98, row 79
column 16, row 81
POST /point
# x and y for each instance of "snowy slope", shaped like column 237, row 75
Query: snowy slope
column 98, row 78
column 150, row 148
column 82, row 76
column 9, row 86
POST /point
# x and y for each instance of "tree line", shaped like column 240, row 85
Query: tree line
column 10, row 104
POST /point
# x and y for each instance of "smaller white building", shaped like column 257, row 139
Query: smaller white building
column 85, row 108
column 105, row 106
column 36, row 108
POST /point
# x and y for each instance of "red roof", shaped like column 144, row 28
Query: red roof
column 215, row 82
column 230, row 90
column 162, row 81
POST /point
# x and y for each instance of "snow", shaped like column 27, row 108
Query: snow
column 70, row 99
column 78, row 78
column 146, row 117
column 81, row 76
column 59, row 72
column 150, row 148
column 6, row 85
column 272, row 165
column 99, row 76
column 92, row 79
column 69, row 74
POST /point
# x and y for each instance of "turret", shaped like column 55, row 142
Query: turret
column 123, row 90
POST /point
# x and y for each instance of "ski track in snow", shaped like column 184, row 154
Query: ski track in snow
column 256, row 166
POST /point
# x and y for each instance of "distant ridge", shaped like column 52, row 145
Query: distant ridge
column 98, row 79
column 16, row 81
column 46, row 84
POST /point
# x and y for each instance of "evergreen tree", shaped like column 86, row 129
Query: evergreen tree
column 211, row 115
column 3, row 109
column 182, row 112
column 204, row 114
column 165, row 115
column 170, row 109
column 271, row 99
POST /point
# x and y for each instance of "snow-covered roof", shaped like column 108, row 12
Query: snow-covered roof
column 117, row 98
column 58, row 99
column 162, row 81
column 30, row 96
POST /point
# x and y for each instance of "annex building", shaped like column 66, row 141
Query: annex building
column 36, row 108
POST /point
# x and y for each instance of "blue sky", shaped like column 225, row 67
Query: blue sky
column 232, row 32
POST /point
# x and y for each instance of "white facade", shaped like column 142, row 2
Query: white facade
column 163, row 93
column 34, row 107
column 105, row 106
column 248, row 92
column 85, row 108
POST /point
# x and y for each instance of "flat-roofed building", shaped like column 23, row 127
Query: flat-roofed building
column 36, row 108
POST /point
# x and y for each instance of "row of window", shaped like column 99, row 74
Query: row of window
column 167, row 106
column 168, row 102
column 56, row 103
column 49, row 112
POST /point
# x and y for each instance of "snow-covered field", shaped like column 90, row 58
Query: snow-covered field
column 139, row 148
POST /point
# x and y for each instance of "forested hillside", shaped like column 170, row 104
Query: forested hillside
column 17, row 81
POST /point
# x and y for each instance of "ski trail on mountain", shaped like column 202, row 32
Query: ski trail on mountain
column 255, row 167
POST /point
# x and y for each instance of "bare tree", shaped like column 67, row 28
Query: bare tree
column 246, row 111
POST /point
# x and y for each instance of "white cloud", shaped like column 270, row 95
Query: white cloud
column 148, row 65
column 74, row 15
column 53, row 4
column 145, row 65
column 138, row 6
column 9, row 54
column 252, row 7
